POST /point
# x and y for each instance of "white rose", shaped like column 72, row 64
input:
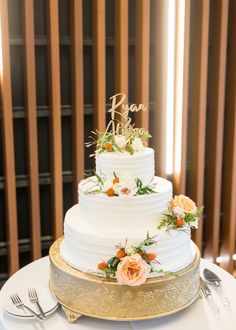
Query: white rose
column 137, row 145
column 107, row 185
column 120, row 141
column 178, row 212
column 129, row 250
column 126, row 189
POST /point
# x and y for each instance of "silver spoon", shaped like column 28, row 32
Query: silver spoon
column 212, row 278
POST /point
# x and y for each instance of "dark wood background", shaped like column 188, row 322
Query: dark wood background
column 62, row 60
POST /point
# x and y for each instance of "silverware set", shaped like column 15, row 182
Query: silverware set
column 34, row 299
column 214, row 281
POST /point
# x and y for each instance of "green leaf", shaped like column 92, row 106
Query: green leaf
column 200, row 209
column 169, row 216
column 113, row 262
column 189, row 217
column 129, row 149
column 99, row 178
column 116, row 148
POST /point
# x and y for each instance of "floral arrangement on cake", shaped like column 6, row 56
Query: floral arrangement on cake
column 120, row 135
column 122, row 187
column 132, row 264
column 183, row 213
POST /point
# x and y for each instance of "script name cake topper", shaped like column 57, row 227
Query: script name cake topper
column 123, row 126
column 120, row 134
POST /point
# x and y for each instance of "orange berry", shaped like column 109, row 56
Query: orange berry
column 179, row 223
column 116, row 180
column 151, row 256
column 120, row 254
column 102, row 265
column 108, row 146
column 110, row 192
column 145, row 143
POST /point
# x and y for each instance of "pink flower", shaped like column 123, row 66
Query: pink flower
column 120, row 141
column 132, row 270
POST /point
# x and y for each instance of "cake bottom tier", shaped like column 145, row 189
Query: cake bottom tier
column 84, row 294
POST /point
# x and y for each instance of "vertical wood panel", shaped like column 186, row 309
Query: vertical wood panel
column 179, row 175
column 55, row 99
column 142, row 53
column 77, row 93
column 121, row 48
column 99, row 66
column 8, row 141
column 200, row 27
column 228, row 234
column 158, row 124
column 214, row 135
column 30, row 93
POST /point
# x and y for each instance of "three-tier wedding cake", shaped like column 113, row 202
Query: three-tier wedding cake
column 126, row 230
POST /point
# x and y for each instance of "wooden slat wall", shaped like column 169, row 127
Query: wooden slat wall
column 198, row 106
column 214, row 135
column 55, row 102
column 8, row 141
column 30, row 95
column 228, row 234
column 76, row 11
column 208, row 171
column 158, row 123
column 99, row 67
column 142, row 48
column 179, row 177
column 121, row 48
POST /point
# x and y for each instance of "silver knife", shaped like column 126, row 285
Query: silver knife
column 212, row 278
column 208, row 296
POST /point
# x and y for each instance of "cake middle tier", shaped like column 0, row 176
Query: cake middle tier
column 140, row 165
column 86, row 243
column 101, row 210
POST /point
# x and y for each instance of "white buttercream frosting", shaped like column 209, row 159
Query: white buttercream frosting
column 86, row 245
column 139, row 165
column 94, row 227
column 129, row 211
column 98, row 223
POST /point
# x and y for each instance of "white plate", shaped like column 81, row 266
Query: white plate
column 46, row 300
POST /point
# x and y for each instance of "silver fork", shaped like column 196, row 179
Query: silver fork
column 19, row 304
column 34, row 299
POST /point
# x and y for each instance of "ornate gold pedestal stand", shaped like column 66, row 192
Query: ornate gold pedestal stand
column 83, row 294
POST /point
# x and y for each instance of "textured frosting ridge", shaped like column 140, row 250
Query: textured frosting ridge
column 94, row 227
column 85, row 244
column 103, row 210
column 139, row 165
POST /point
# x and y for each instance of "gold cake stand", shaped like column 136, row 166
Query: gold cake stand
column 84, row 294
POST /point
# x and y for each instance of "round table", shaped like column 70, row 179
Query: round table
column 197, row 316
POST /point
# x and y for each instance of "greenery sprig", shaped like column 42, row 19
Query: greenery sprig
column 171, row 221
column 144, row 190
column 110, row 267
column 100, row 180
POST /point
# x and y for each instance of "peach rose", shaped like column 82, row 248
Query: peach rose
column 185, row 203
column 132, row 270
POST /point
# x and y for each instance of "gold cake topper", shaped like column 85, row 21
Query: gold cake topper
column 120, row 134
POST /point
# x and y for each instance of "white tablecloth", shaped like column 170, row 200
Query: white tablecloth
column 198, row 316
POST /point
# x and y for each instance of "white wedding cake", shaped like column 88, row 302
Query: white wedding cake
column 127, row 225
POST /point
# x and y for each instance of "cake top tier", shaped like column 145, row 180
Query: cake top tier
column 120, row 135
column 139, row 165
